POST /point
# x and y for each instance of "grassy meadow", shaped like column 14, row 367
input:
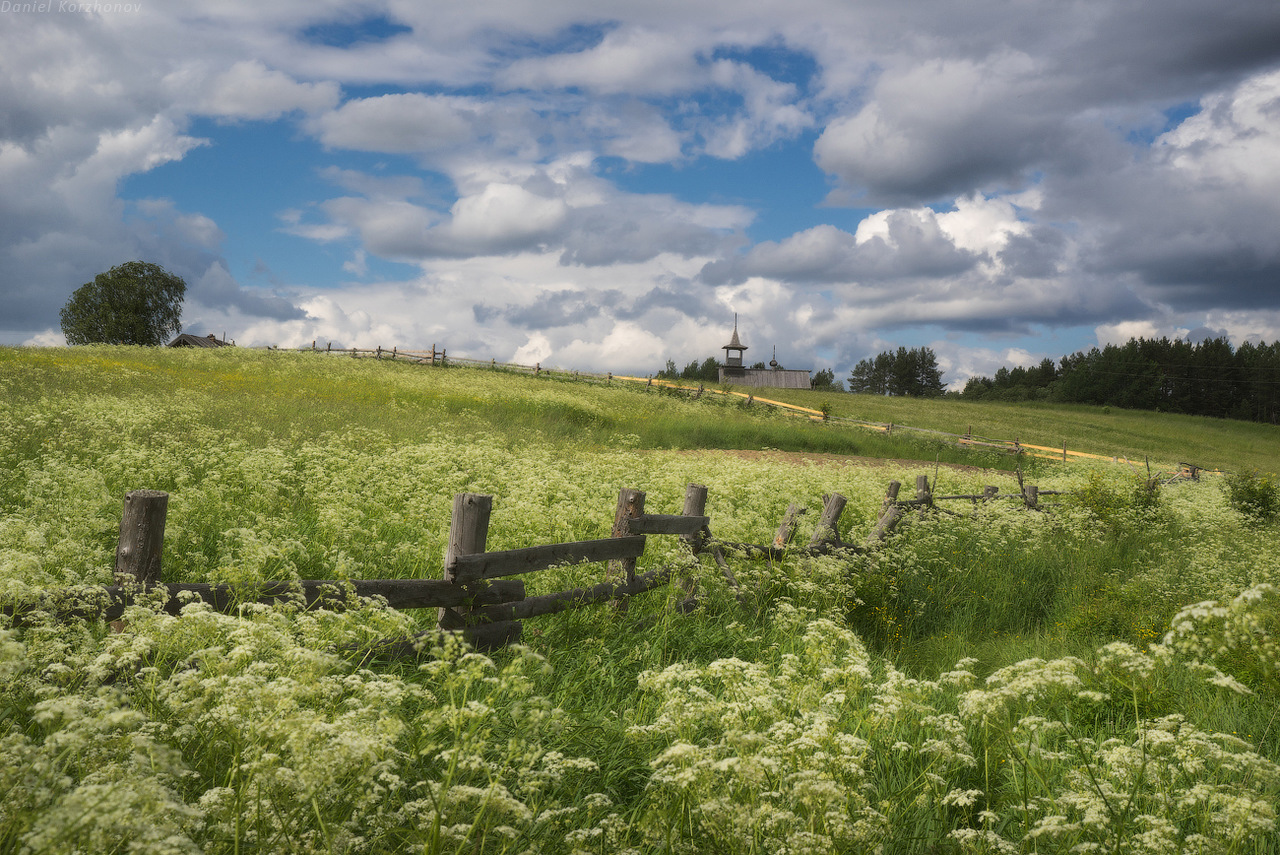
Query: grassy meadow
column 1100, row 677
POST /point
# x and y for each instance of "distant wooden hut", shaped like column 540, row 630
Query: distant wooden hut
column 188, row 340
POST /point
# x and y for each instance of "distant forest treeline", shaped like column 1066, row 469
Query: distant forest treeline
column 1209, row 378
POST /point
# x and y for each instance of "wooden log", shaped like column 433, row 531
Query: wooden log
column 141, row 542
column 1031, row 496
column 512, row 562
column 787, row 528
column 989, row 492
column 109, row 602
column 562, row 600
column 827, row 530
column 685, row 526
column 468, row 533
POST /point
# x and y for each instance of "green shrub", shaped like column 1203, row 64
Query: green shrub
column 1117, row 503
column 1254, row 494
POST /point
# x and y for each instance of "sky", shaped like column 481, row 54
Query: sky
column 603, row 186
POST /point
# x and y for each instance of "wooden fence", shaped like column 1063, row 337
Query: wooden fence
column 477, row 598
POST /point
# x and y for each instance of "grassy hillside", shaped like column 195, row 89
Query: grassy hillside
column 1102, row 676
column 1165, row 437
column 310, row 394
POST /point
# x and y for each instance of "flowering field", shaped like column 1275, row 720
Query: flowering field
column 1104, row 677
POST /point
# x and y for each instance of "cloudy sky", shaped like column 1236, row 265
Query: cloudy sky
column 603, row 185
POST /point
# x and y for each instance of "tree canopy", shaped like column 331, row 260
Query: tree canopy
column 1207, row 378
column 707, row 371
column 134, row 303
column 912, row 372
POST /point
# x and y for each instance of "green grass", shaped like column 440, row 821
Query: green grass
column 1164, row 437
column 983, row 672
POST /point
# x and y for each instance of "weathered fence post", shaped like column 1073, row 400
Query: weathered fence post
column 989, row 492
column 695, row 505
column 827, row 530
column 630, row 506
column 923, row 494
column 141, row 541
column 1031, row 495
column 468, row 533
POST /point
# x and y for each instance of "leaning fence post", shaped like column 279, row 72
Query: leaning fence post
column 787, row 528
column 827, row 530
column 890, row 512
column 141, row 541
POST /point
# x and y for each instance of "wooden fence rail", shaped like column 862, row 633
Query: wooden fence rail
column 474, row 598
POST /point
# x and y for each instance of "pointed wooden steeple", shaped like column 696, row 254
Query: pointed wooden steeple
column 733, row 351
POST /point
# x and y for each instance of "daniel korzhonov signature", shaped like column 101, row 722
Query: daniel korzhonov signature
column 63, row 7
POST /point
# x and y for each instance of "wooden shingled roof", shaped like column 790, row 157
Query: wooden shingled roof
column 188, row 340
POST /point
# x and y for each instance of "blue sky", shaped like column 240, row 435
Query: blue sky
column 603, row 186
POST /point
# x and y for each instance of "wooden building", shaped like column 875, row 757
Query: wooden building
column 188, row 340
column 735, row 373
